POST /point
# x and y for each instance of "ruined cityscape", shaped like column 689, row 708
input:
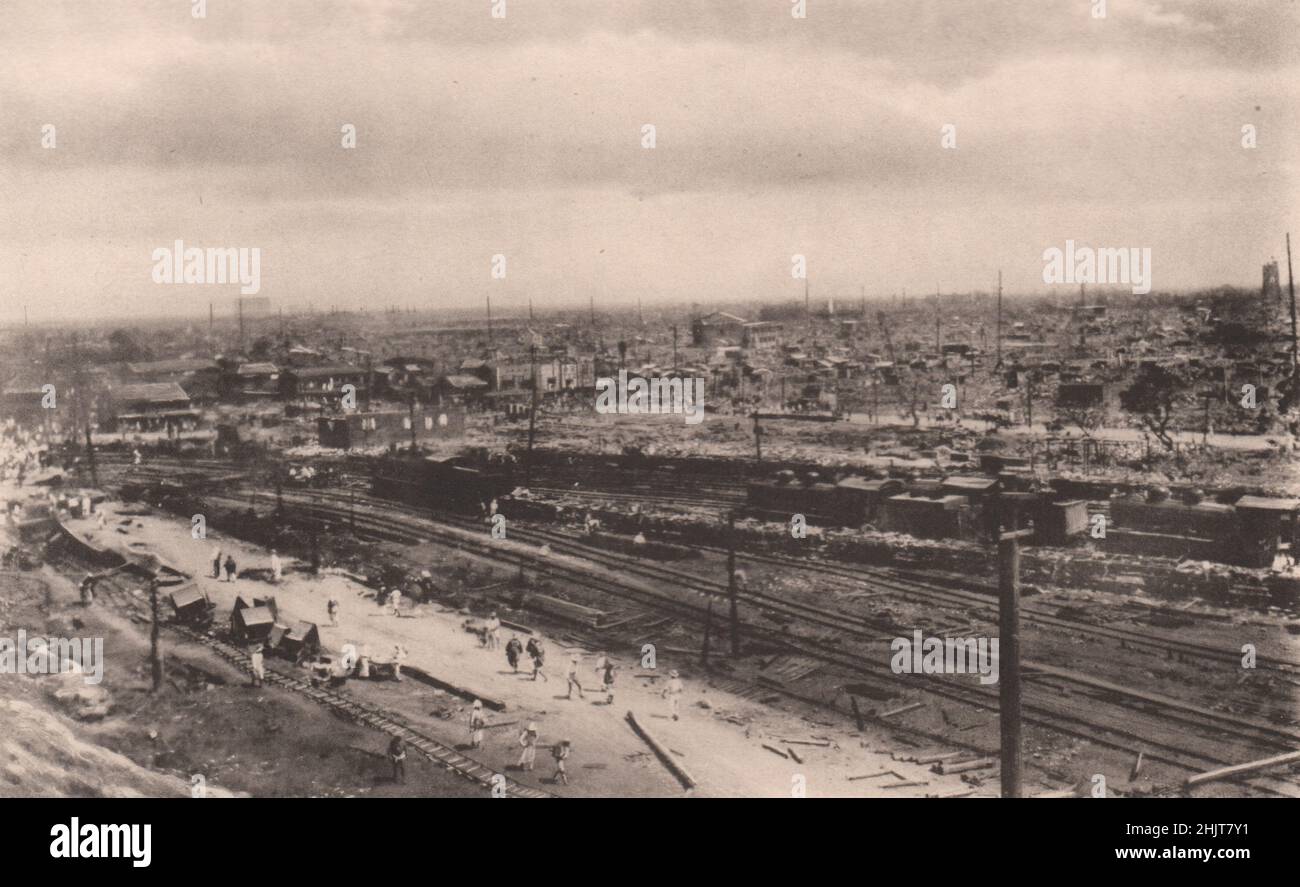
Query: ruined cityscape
column 591, row 531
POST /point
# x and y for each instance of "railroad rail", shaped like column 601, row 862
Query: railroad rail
column 1162, row 740
column 1045, row 705
column 352, row 709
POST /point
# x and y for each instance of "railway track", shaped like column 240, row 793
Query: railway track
column 879, row 579
column 354, row 710
column 1091, row 712
column 1054, row 699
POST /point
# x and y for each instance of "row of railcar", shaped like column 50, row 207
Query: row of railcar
column 1249, row 530
column 464, row 484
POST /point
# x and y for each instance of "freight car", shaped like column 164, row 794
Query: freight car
column 459, row 484
column 1253, row 531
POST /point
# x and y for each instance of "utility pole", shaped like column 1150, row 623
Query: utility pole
column 674, row 349
column 240, row 303
column 708, row 630
column 807, row 302
column 733, row 615
column 90, row 453
column 758, row 438
column 998, row 365
column 530, row 309
column 489, row 319
column 532, row 420
column 155, row 658
column 1029, row 399
column 211, row 320
column 938, row 341
column 1082, row 320
column 1009, row 656
column 412, row 413
column 1290, row 285
column 370, row 378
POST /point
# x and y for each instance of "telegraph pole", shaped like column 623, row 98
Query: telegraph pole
column 489, row 319
column 733, row 615
column 758, row 439
column 155, row 658
column 708, row 630
column 1029, row 399
column 532, row 419
column 938, row 341
column 412, row 413
column 1009, row 657
column 998, row 365
column 674, row 349
column 1290, row 285
column 90, row 454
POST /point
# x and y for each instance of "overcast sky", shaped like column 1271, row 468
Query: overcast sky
column 522, row 136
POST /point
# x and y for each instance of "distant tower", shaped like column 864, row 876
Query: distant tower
column 1272, row 288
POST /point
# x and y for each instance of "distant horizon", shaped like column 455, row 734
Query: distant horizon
column 373, row 151
column 519, row 314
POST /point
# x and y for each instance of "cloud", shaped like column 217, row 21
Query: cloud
column 774, row 135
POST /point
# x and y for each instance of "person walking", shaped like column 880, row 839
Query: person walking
column 231, row 568
column 332, row 608
column 399, row 656
column 528, row 739
column 572, row 675
column 561, row 754
column 513, row 651
column 258, row 664
column 608, row 682
column 216, row 563
column 673, row 693
column 538, row 654
column 395, row 599
column 88, row 590
column 476, row 724
column 277, row 568
column 493, row 627
column 397, row 754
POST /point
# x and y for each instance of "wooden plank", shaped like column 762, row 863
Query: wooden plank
column 1240, row 769
column 662, row 753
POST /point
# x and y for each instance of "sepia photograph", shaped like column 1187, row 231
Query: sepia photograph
column 871, row 399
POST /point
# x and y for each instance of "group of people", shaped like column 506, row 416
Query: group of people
column 604, row 674
column 232, row 569
column 560, row 752
column 230, row 566
column 528, row 741
column 535, row 650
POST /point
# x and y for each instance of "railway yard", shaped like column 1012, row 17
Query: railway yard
column 1131, row 682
